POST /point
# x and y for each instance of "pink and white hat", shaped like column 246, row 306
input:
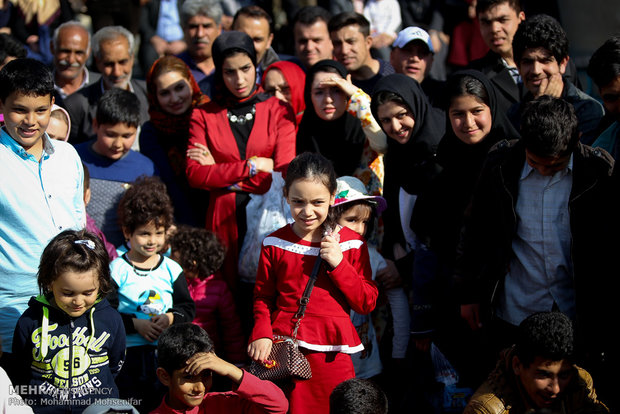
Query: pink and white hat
column 352, row 189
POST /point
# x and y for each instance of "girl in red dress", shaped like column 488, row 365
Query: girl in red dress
column 326, row 335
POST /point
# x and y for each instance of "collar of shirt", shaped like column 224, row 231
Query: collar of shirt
column 528, row 169
column 9, row 142
column 85, row 81
column 103, row 88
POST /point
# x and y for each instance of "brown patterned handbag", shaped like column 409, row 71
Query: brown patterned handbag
column 285, row 359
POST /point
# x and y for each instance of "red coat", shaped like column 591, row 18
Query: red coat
column 216, row 313
column 285, row 264
column 272, row 136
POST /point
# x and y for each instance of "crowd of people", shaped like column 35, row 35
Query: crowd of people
column 181, row 175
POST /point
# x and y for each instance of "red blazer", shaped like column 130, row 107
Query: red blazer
column 272, row 136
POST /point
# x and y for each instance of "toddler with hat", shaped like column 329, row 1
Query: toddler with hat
column 356, row 209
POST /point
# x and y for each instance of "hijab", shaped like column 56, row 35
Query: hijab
column 296, row 78
column 169, row 124
column 413, row 163
column 226, row 44
column 340, row 140
column 453, row 152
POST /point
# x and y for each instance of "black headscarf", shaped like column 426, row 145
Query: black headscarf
column 452, row 151
column 340, row 140
column 413, row 164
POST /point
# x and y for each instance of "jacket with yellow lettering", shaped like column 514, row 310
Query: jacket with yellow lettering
column 68, row 363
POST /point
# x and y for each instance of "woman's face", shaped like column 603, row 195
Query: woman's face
column 174, row 92
column 329, row 102
column 396, row 120
column 470, row 118
column 239, row 75
column 275, row 85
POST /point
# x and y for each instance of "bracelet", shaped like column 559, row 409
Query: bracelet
column 251, row 162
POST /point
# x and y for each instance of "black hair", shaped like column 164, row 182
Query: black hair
column 358, row 396
column 336, row 211
column 118, row 106
column 145, row 201
column 604, row 65
column 540, row 31
column 311, row 14
column 253, row 11
column 484, row 5
column 383, row 97
column 11, row 47
column 178, row 343
column 544, row 334
column 549, row 127
column 464, row 85
column 26, row 76
column 311, row 166
column 197, row 249
column 75, row 251
column 348, row 19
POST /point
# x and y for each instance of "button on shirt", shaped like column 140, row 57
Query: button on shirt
column 38, row 200
column 540, row 275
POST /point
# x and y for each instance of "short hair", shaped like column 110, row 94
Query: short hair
column 27, row 76
column 180, row 342
column 118, row 106
column 145, row 201
column 348, row 19
column 311, row 14
column 208, row 8
column 109, row 33
column 198, row 249
column 75, row 251
column 549, row 127
column 253, row 11
column 358, row 396
column 604, row 65
column 11, row 47
column 484, row 5
column 540, row 31
column 544, row 334
column 70, row 23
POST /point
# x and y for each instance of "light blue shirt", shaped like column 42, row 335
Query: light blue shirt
column 38, row 200
column 540, row 274
column 168, row 23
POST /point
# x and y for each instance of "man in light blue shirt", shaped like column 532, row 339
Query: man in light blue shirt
column 41, row 192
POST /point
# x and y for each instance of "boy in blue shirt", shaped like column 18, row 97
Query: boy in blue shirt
column 41, row 192
column 111, row 161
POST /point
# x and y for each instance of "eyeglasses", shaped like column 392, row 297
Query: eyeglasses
column 284, row 90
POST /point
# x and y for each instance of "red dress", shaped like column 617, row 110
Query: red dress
column 272, row 136
column 326, row 333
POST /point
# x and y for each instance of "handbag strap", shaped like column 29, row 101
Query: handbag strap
column 305, row 297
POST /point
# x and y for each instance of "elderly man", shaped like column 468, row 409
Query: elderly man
column 70, row 48
column 113, row 50
column 202, row 23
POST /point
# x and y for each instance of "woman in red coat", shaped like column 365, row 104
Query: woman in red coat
column 247, row 134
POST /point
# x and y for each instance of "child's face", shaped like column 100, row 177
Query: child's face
column 356, row 218
column 470, row 119
column 186, row 390
column 57, row 129
column 75, row 293
column 26, row 118
column 147, row 240
column 113, row 140
column 309, row 201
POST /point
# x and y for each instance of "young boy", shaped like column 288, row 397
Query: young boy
column 186, row 365
column 41, row 191
column 111, row 161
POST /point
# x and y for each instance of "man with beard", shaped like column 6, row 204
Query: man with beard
column 70, row 48
column 113, row 49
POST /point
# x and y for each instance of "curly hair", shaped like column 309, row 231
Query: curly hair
column 145, row 201
column 359, row 396
column 180, row 342
column 544, row 334
column 197, row 250
column 540, row 31
column 74, row 251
